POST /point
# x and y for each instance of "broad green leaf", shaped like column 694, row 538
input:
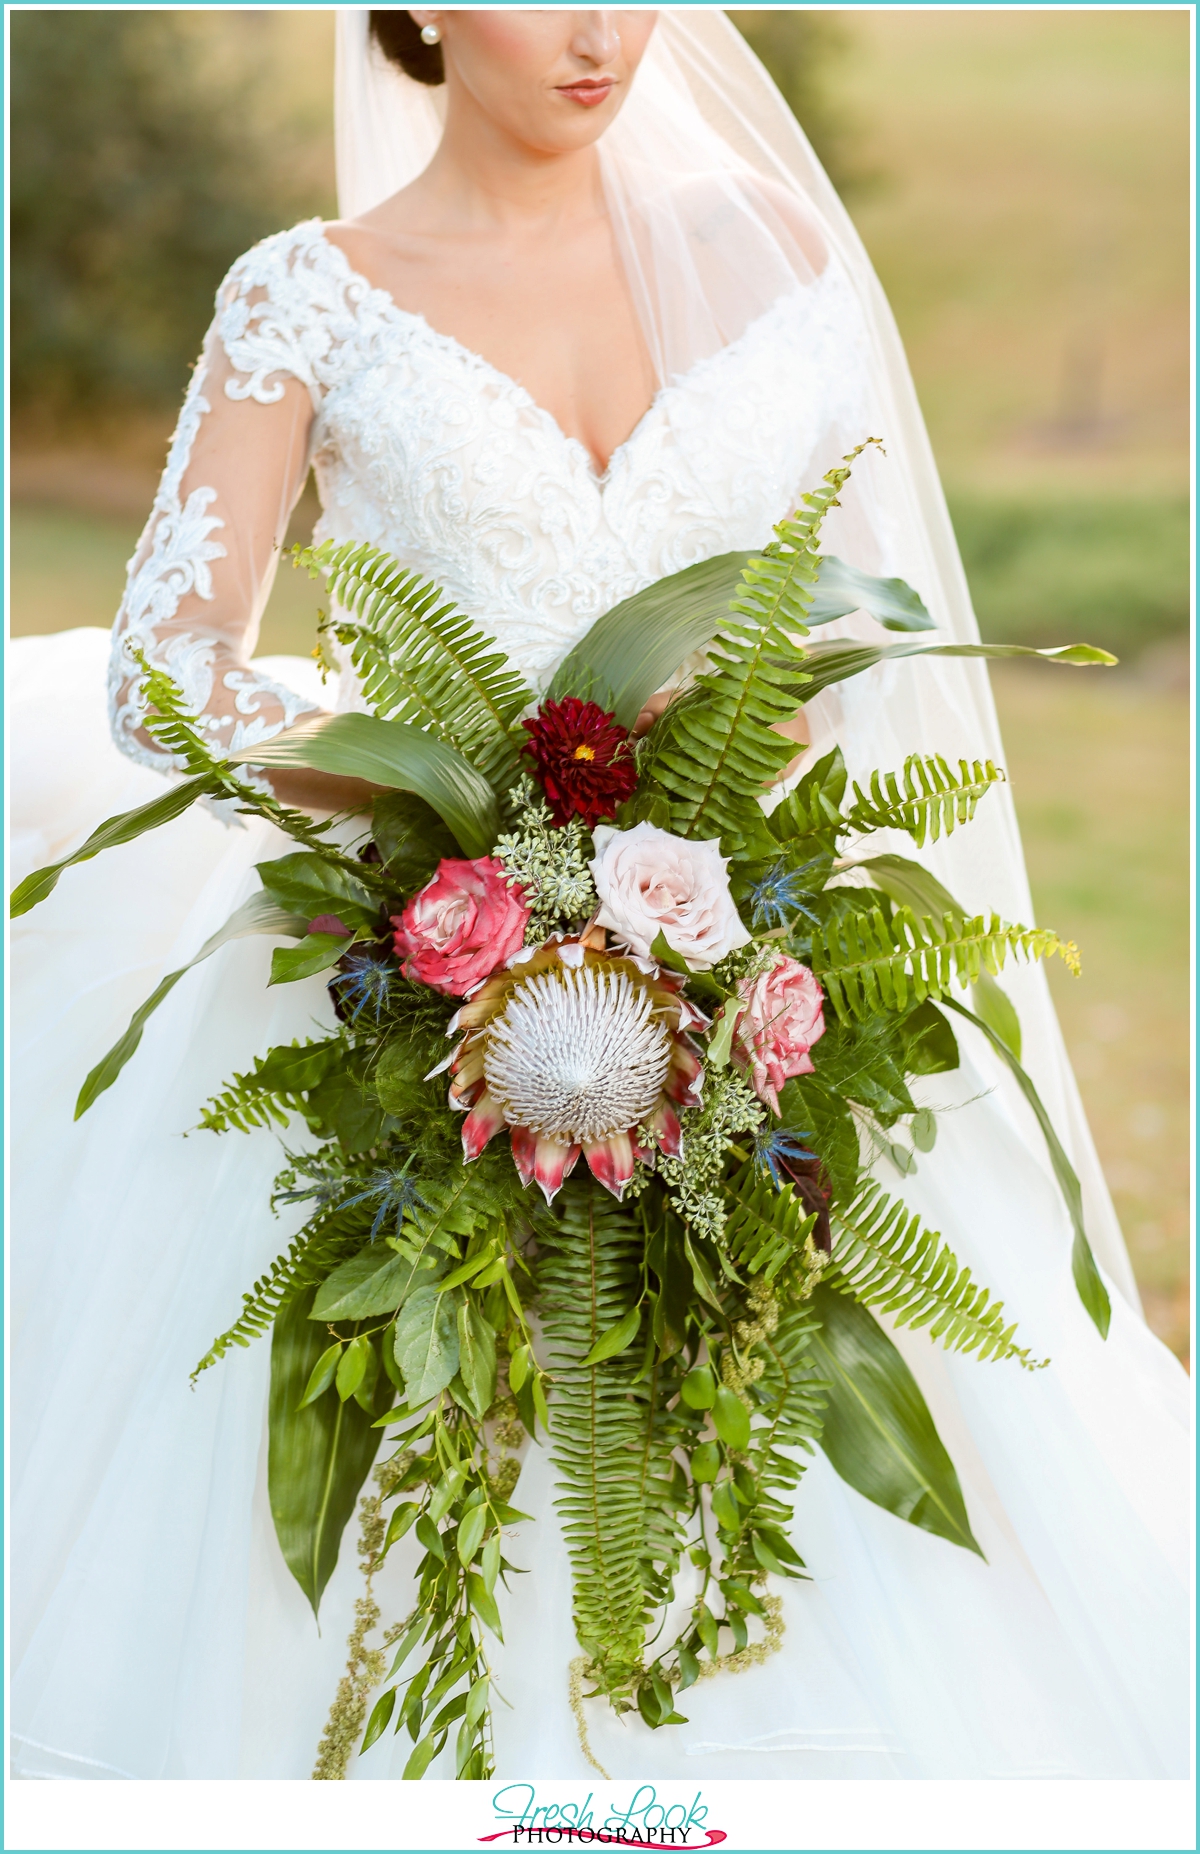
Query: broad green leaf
column 114, row 831
column 315, row 953
column 392, row 753
column 470, row 1533
column 633, row 649
column 376, row 1280
column 997, row 1011
column 410, row 837
column 843, row 589
column 705, row 1462
column 258, row 915
column 483, row 1603
column 829, row 663
column 878, row 1432
column 698, row 1390
column 426, row 1344
column 307, row 884
column 322, row 1374
column 924, row 1130
column 731, row 1419
column 616, row 1338
column 318, row 1457
column 910, row 885
column 724, row 1506
column 352, row 1366
column 1092, row 1291
column 380, row 1718
column 421, row 1759
column 519, row 1367
column 476, row 1701
column 476, row 1357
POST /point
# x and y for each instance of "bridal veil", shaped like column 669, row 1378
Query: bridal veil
column 720, row 206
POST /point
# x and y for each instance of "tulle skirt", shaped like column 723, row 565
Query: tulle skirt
column 155, row 1629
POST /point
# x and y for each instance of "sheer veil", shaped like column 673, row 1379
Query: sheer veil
column 719, row 208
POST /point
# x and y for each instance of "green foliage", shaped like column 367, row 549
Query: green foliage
column 311, row 1255
column 869, row 963
column 421, row 661
column 892, row 1263
column 410, row 837
column 925, row 800
column 392, row 753
column 607, row 1444
column 877, row 1431
column 319, row 1451
column 1088, row 1281
column 766, row 1229
column 274, row 1089
column 258, row 915
column 719, row 750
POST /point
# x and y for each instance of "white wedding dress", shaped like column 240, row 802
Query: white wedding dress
column 155, row 1630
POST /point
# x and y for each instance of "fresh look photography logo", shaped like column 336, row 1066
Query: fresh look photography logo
column 644, row 1822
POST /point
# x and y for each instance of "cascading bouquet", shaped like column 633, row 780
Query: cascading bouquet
column 592, row 1146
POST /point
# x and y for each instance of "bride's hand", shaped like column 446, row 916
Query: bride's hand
column 321, row 793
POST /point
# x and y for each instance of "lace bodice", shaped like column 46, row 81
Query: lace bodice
column 427, row 451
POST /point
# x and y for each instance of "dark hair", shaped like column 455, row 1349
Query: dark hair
column 398, row 37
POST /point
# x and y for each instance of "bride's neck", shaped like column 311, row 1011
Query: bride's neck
column 484, row 178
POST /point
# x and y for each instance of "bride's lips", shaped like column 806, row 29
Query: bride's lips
column 588, row 91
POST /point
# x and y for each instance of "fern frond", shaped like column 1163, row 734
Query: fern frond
column 422, row 661
column 175, row 727
column 720, row 752
column 895, row 1265
column 273, row 1089
column 927, row 799
column 765, row 1228
column 452, row 1208
column 311, row 1255
column 591, row 1277
column 867, row 963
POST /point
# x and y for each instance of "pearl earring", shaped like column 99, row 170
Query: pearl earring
column 431, row 35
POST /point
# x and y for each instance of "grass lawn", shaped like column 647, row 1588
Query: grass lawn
column 1099, row 765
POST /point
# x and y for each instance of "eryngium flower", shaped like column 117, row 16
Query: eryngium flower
column 575, row 1051
column 583, row 760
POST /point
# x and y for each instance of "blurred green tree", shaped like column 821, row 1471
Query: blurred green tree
column 136, row 178
column 802, row 49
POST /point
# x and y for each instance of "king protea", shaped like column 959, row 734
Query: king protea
column 576, row 1051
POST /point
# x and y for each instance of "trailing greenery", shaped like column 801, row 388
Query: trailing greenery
column 686, row 1330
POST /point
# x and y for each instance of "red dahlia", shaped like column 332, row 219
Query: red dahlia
column 583, row 759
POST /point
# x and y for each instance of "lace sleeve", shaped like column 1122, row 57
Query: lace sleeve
column 203, row 570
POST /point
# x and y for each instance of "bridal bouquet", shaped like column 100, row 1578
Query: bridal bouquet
column 594, row 1144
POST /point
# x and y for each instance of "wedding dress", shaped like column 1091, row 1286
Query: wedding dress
column 155, row 1629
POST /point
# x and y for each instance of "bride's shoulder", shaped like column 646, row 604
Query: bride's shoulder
column 301, row 257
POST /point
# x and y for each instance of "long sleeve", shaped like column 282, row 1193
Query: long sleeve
column 203, row 570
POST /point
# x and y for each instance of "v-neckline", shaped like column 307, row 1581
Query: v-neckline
column 600, row 478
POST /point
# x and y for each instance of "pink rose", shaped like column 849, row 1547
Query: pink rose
column 780, row 1020
column 463, row 925
column 651, row 882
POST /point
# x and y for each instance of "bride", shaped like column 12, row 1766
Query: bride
column 592, row 313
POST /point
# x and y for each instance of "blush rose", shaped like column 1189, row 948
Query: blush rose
column 781, row 1017
column 462, row 926
column 650, row 882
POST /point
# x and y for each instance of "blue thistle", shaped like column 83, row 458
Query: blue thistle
column 362, row 981
column 774, row 1147
column 396, row 1192
column 776, row 899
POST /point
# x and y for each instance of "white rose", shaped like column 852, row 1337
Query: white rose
column 650, row 882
